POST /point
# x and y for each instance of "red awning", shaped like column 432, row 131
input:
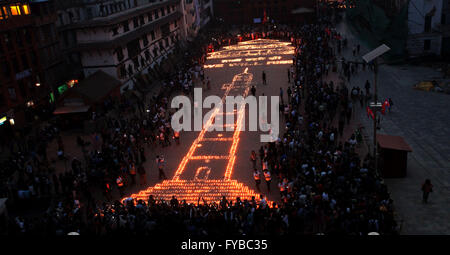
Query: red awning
column 392, row 142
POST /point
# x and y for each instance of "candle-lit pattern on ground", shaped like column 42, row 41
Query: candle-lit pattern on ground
column 212, row 190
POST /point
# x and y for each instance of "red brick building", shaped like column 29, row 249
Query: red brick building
column 251, row 11
column 29, row 58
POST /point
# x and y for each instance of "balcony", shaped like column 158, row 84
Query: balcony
column 124, row 39
column 118, row 17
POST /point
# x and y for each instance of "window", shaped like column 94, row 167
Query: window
column 119, row 53
column 426, row 44
column 135, row 22
column 162, row 12
column 428, row 23
column 145, row 40
column 156, row 14
column 12, row 93
column 2, row 100
column 168, row 9
column 27, row 35
column 22, row 89
column 147, row 55
column 141, row 19
column 4, row 13
column 136, row 64
column 165, row 30
column 130, row 70
column 126, row 28
column 89, row 13
column 150, row 16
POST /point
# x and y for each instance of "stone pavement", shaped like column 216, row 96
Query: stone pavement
column 422, row 119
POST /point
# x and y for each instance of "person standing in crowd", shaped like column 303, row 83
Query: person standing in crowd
column 257, row 178
column 427, row 188
column 176, row 136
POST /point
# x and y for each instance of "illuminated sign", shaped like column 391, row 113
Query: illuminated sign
column 62, row 89
column 2, row 120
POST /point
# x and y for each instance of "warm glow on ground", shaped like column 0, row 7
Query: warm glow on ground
column 212, row 190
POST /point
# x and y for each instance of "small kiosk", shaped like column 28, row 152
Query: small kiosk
column 393, row 155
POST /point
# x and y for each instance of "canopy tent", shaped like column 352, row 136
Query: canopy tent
column 71, row 109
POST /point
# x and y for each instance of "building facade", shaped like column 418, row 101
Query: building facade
column 122, row 38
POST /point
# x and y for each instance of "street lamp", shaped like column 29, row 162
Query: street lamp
column 375, row 105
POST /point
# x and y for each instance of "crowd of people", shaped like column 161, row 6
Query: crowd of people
column 321, row 178
column 324, row 185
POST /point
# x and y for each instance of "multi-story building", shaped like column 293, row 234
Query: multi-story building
column 28, row 54
column 197, row 14
column 122, row 38
column 254, row 11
